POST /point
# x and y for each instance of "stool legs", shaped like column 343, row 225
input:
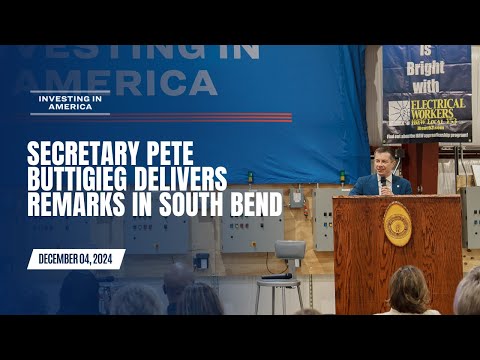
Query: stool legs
column 273, row 300
column 256, row 302
column 300, row 297
column 284, row 302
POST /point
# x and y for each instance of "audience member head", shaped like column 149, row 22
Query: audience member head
column 177, row 277
column 467, row 296
column 79, row 294
column 409, row 291
column 199, row 299
column 308, row 311
column 136, row 299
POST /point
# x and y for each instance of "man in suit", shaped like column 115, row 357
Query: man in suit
column 391, row 185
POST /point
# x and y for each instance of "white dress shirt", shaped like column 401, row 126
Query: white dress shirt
column 389, row 183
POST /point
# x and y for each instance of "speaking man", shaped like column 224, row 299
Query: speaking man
column 383, row 182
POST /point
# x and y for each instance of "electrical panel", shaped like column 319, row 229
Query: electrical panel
column 155, row 234
column 46, row 232
column 297, row 199
column 249, row 234
column 323, row 216
column 470, row 217
column 67, row 232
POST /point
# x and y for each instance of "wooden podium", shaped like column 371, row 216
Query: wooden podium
column 365, row 259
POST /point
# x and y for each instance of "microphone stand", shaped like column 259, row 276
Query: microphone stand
column 396, row 167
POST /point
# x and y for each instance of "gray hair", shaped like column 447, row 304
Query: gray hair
column 467, row 296
column 136, row 299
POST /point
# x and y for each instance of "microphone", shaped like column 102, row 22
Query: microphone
column 383, row 180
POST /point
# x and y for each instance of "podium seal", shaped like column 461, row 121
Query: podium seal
column 397, row 224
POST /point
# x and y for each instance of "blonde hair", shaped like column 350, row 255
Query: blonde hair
column 409, row 291
column 199, row 299
column 136, row 299
column 467, row 296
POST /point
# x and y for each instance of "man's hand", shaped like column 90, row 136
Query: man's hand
column 386, row 191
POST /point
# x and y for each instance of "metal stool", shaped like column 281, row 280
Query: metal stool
column 281, row 283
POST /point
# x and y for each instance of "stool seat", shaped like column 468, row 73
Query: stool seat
column 282, row 283
column 278, row 282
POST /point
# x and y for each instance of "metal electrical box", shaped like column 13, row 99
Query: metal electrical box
column 470, row 217
column 323, row 217
column 297, row 199
column 247, row 234
column 155, row 234
column 61, row 232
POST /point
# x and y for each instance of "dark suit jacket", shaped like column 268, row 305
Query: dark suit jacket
column 368, row 185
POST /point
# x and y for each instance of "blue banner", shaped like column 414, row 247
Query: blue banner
column 427, row 93
column 289, row 114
